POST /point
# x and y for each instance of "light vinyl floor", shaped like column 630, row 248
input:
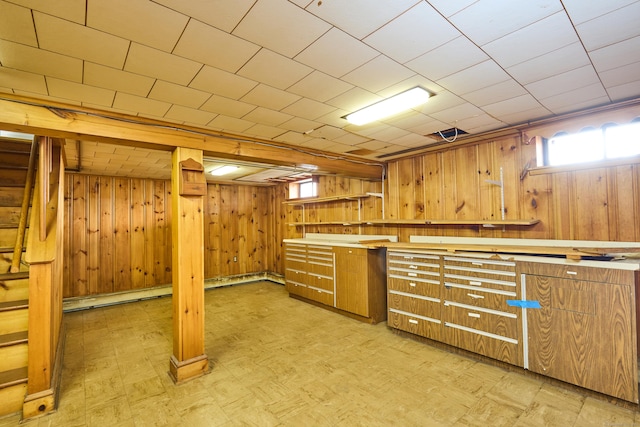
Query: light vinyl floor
column 277, row 361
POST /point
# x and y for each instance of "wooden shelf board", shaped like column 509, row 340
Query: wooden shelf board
column 313, row 200
column 434, row 222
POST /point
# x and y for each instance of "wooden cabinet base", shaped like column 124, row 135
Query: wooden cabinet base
column 38, row 404
column 188, row 369
column 371, row 320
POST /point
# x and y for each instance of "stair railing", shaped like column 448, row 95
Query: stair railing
column 24, row 211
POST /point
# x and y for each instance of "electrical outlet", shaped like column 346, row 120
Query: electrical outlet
column 235, row 259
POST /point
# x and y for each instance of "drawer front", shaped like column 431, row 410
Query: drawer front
column 295, row 275
column 412, row 262
column 501, row 273
column 320, row 265
column 427, row 288
column 496, row 267
column 414, row 324
column 296, row 288
column 295, row 263
column 452, row 279
column 423, row 306
column 320, row 295
column 479, row 342
column 495, row 324
column 480, row 297
column 321, row 282
column 577, row 272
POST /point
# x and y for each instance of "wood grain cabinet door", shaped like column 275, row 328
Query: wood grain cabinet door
column 583, row 334
column 352, row 287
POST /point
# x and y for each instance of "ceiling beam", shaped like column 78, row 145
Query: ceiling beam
column 19, row 114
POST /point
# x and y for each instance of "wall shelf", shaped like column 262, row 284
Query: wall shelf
column 428, row 222
column 314, row 200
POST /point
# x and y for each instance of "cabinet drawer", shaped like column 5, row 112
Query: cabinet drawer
column 480, row 268
column 577, row 272
column 427, row 288
column 480, row 342
column 320, row 295
column 477, row 297
column 319, row 266
column 409, row 274
column 320, row 281
column 295, row 275
column 418, row 325
column 413, row 257
column 423, row 306
column 495, row 324
column 411, row 263
column 296, row 288
column 453, row 279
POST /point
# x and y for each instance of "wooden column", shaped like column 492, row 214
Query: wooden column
column 187, row 190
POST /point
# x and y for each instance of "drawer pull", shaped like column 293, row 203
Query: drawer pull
column 408, row 257
column 572, row 272
column 413, row 285
column 412, row 274
column 476, row 315
column 476, row 296
column 475, row 283
column 415, row 322
column 477, row 263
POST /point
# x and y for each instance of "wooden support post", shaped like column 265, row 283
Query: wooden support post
column 187, row 231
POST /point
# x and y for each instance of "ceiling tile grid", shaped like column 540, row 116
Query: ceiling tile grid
column 277, row 69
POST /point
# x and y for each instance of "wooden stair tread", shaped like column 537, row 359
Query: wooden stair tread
column 13, row 377
column 14, row 276
column 14, row 305
column 14, row 338
column 9, row 250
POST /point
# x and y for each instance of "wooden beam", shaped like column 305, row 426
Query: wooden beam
column 187, row 232
column 24, row 115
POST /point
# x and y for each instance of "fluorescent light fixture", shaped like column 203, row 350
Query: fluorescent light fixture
column 390, row 106
column 223, row 170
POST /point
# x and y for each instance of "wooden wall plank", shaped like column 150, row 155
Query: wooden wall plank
column 122, row 234
column 591, row 220
column 107, row 250
column 93, row 235
column 78, row 259
column 138, row 245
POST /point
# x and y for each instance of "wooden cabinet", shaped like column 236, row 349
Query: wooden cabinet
column 584, row 331
column 414, row 287
column 350, row 279
column 476, row 315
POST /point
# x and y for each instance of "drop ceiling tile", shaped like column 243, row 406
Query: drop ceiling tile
column 597, row 33
column 79, row 92
column 503, row 108
column 409, row 121
column 208, row 45
column 280, row 26
column 30, row 59
column 412, row 140
column 78, row 41
column 269, row 97
column 354, row 99
column 441, row 101
column 141, row 21
column 71, row 10
column 22, row 80
column 565, row 82
column 189, row 115
column 411, row 82
column 300, row 125
column 264, row 131
column 616, row 55
column 377, row 74
column 308, row 109
column 158, row 64
column 520, row 117
column 388, row 134
column 274, row 69
column 534, row 40
column 228, row 107
column 549, row 64
column 582, row 96
column 479, row 123
column 440, row 62
column 448, row 7
column 319, row 86
column 458, row 113
column 621, row 75
column 111, row 78
column 328, row 132
column 222, row 14
column 17, row 24
column 138, row 104
column 581, row 11
column 488, row 20
column 370, row 144
column 496, row 93
column 334, row 118
column 359, row 17
column 417, row 36
column 479, row 76
column 324, row 55
column 430, row 126
column 294, row 138
column 266, row 116
column 223, row 83
column 230, row 124
column 176, row 94
column 626, row 91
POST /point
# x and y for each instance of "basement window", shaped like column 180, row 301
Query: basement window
column 611, row 141
column 303, row 189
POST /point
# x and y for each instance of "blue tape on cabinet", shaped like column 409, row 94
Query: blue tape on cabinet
column 523, row 304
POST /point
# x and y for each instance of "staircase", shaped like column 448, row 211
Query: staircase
column 14, row 287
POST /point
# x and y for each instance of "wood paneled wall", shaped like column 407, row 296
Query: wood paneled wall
column 118, row 233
